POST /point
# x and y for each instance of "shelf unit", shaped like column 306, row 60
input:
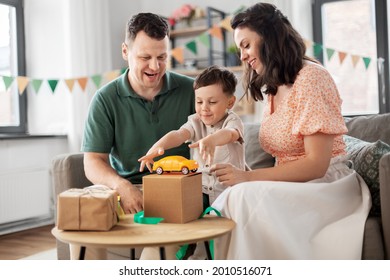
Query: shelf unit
column 211, row 13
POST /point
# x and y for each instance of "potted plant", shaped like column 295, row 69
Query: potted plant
column 233, row 56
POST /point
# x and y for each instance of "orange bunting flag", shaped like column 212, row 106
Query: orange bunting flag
column 342, row 56
column 225, row 24
column 177, row 54
column 308, row 44
column 109, row 76
column 83, row 82
column 216, row 31
column 70, row 83
column 355, row 59
column 22, row 83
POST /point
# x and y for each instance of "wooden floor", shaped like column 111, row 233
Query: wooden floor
column 25, row 243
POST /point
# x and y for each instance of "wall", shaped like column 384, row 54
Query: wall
column 25, row 182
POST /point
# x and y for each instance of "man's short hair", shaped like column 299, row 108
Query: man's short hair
column 153, row 25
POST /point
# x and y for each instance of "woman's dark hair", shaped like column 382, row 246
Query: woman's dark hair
column 153, row 25
column 216, row 75
column 282, row 49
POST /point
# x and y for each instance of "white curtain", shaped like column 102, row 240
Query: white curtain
column 88, row 53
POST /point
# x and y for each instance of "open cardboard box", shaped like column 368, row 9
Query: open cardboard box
column 175, row 197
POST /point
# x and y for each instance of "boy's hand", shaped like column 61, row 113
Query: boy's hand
column 148, row 158
column 206, row 150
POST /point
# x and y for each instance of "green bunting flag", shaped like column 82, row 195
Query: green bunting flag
column 204, row 39
column 367, row 61
column 330, row 53
column 192, row 47
column 52, row 84
column 8, row 81
column 97, row 79
column 317, row 49
column 36, row 84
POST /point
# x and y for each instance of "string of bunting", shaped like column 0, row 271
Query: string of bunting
column 178, row 54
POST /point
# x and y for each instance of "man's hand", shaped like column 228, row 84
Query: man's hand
column 131, row 198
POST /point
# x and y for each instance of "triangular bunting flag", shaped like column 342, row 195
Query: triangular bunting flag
column 204, row 39
column 366, row 61
column 308, row 44
column 355, row 59
column 225, row 24
column 83, row 82
column 317, row 49
column 52, row 84
column 36, row 84
column 111, row 75
column 177, row 53
column 240, row 9
column 22, row 83
column 329, row 53
column 342, row 56
column 192, row 47
column 216, row 32
column 7, row 81
column 97, row 79
column 70, row 83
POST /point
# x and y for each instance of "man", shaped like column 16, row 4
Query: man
column 132, row 112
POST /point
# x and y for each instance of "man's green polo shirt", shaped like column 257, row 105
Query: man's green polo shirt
column 125, row 125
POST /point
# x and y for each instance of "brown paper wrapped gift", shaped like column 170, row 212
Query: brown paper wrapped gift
column 91, row 208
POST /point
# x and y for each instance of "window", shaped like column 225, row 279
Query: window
column 351, row 40
column 12, row 64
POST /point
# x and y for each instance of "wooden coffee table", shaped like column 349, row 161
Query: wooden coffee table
column 133, row 235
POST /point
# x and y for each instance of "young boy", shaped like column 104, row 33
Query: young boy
column 214, row 130
column 216, row 133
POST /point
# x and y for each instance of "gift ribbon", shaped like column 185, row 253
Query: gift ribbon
column 139, row 218
column 183, row 249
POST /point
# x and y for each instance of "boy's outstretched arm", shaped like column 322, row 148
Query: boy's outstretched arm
column 207, row 144
column 170, row 140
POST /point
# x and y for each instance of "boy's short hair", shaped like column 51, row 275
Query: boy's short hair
column 216, row 75
column 153, row 25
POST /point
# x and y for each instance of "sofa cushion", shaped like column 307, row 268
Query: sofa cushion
column 255, row 156
column 369, row 128
column 365, row 157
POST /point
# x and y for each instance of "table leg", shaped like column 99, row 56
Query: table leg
column 208, row 252
column 82, row 253
column 162, row 253
column 132, row 254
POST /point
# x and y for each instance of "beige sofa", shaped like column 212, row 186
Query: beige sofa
column 68, row 172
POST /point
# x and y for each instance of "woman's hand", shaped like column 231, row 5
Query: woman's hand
column 229, row 175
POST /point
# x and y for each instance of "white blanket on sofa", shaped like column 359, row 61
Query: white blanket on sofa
column 322, row 219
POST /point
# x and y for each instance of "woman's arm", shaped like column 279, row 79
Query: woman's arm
column 318, row 150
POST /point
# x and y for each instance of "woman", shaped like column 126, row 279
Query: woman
column 310, row 205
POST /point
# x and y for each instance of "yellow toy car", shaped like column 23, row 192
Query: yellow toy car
column 175, row 164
